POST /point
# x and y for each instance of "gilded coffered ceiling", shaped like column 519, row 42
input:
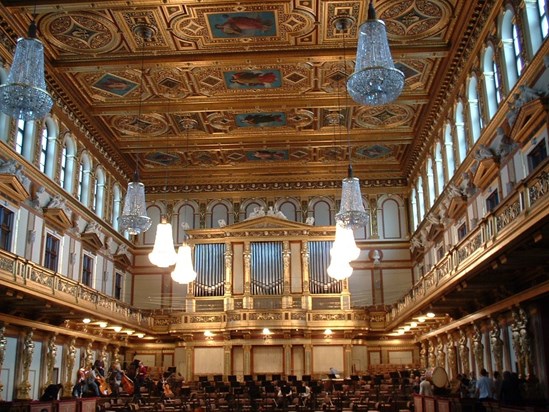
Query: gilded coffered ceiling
column 250, row 91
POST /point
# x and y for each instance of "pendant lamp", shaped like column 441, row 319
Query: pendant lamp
column 184, row 272
column 24, row 94
column 375, row 81
column 163, row 253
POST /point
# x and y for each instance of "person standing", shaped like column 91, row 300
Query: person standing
column 140, row 374
column 425, row 387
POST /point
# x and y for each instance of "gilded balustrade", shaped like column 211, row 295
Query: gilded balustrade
column 522, row 208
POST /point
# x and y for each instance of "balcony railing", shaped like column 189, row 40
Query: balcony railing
column 522, row 208
column 26, row 276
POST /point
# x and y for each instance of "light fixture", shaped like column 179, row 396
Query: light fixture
column 117, row 328
column 183, row 272
column 129, row 332
column 375, row 81
column 163, row 253
column 208, row 335
column 339, row 269
column 344, row 246
column 407, row 328
column 266, row 331
column 430, row 315
column 86, row 320
column 328, row 333
column 134, row 217
column 24, row 94
column 413, row 324
column 421, row 319
column 103, row 325
column 140, row 335
column 351, row 212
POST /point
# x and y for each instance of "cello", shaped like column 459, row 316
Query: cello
column 127, row 384
column 104, row 386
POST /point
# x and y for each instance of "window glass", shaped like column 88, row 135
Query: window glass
column 51, row 254
column 6, row 228
column 87, row 270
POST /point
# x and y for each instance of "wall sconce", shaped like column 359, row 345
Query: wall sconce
column 103, row 325
column 328, row 334
column 117, row 328
column 208, row 335
column 140, row 335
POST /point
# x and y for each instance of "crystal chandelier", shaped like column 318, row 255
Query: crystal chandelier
column 184, row 272
column 163, row 253
column 375, row 81
column 24, row 94
column 339, row 269
column 351, row 212
column 134, row 217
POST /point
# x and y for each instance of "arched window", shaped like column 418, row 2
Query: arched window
column 68, row 154
column 99, row 198
column 536, row 25
column 322, row 213
column 475, row 118
column 116, row 205
column 491, row 81
column 511, row 49
column 420, row 199
column 219, row 214
column 449, row 150
column 460, row 133
column 430, row 182
column 48, row 143
column 84, row 178
column 20, row 136
column 439, row 167
column 413, row 200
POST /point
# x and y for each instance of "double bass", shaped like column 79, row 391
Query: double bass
column 127, row 384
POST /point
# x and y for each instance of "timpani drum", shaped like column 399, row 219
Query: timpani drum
column 438, row 376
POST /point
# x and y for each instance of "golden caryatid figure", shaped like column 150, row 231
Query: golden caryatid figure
column 478, row 347
column 23, row 391
column 464, row 352
column 496, row 344
column 441, row 355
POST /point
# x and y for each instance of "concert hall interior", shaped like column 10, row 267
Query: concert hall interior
column 292, row 237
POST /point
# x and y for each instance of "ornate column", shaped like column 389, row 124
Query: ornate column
column 464, row 352
column 227, row 356
column 347, row 359
column 70, row 359
column 306, row 301
column 51, row 356
column 189, row 354
column 3, row 346
column 228, row 299
column 496, row 344
column 288, row 359
column 478, row 348
column 515, row 334
column 286, row 294
column 23, row 390
column 247, row 255
column 308, row 355
column 247, row 348
column 373, row 218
